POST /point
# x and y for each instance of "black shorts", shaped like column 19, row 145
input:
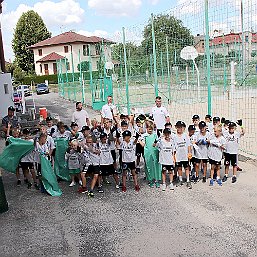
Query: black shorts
column 107, row 170
column 212, row 162
column 201, row 160
column 169, row 168
column 139, row 150
column 120, row 156
column 159, row 132
column 114, row 156
column 128, row 165
column 27, row 165
column 230, row 159
column 192, row 160
column 94, row 169
column 181, row 164
column 54, row 151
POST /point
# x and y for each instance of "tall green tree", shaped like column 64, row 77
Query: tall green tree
column 169, row 26
column 30, row 29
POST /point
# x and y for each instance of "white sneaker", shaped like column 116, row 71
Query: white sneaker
column 171, row 187
column 72, row 184
column 163, row 187
column 80, row 182
column 117, row 187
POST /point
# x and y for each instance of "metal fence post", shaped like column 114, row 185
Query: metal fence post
column 126, row 69
column 168, row 68
column 154, row 59
column 207, row 52
column 81, row 82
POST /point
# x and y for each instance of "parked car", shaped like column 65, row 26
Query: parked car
column 26, row 89
column 42, row 89
column 17, row 101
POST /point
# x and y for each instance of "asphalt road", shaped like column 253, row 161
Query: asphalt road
column 204, row 221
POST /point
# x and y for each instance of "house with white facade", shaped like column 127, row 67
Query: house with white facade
column 71, row 47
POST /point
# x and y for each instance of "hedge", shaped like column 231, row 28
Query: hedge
column 53, row 79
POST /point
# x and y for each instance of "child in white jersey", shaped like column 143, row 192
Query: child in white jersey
column 62, row 132
column 166, row 148
column 231, row 155
column 183, row 152
column 192, row 137
column 201, row 151
column 128, row 147
column 217, row 144
column 196, row 120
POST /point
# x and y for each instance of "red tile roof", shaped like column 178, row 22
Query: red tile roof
column 69, row 37
column 51, row 57
column 231, row 38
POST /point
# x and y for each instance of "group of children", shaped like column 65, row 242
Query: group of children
column 118, row 147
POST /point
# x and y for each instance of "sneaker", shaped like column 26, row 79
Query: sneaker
column 117, row 187
column 189, row 185
column 137, row 170
column 219, row 181
column 36, row 186
column 234, row 179
column 157, row 184
column 196, row 180
column 171, row 187
column 29, row 185
column 100, row 189
column 180, row 183
column 82, row 190
column 204, row 179
column 137, row 188
column 193, row 178
column 18, row 182
column 90, row 194
column 239, row 169
column 124, row 189
column 72, row 184
column 211, row 182
column 225, row 178
column 163, row 187
column 151, row 184
column 80, row 182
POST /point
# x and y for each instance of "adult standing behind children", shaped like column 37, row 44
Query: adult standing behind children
column 10, row 118
column 160, row 115
column 109, row 110
column 80, row 116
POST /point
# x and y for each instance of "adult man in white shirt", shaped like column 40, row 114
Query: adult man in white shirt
column 160, row 115
column 80, row 116
column 109, row 110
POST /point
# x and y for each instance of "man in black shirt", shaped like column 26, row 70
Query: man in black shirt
column 10, row 119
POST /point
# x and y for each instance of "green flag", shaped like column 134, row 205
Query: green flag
column 60, row 165
column 10, row 157
column 49, row 178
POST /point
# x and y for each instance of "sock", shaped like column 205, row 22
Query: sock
column 234, row 176
column 188, row 178
column 171, row 183
column 226, row 175
column 180, row 178
column 218, row 177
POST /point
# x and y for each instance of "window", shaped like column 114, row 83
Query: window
column 246, row 39
column 41, row 69
column 66, row 49
column 86, row 50
column 67, row 65
column 40, row 52
column 55, row 68
column 6, row 89
column 46, row 69
column 97, row 49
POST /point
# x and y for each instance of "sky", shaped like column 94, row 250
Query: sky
column 88, row 17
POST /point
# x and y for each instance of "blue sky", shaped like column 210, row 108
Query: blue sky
column 89, row 17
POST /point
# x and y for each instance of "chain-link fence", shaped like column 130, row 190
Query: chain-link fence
column 147, row 62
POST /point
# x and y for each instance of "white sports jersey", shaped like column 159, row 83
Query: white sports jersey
column 111, row 137
column 79, row 136
column 50, row 143
column 182, row 143
column 73, row 159
column 105, row 154
column 40, row 149
column 30, row 157
column 51, row 130
column 210, row 127
column 232, row 142
column 214, row 150
column 194, row 146
column 94, row 157
column 128, row 150
column 166, row 149
column 202, row 150
column 159, row 115
column 66, row 135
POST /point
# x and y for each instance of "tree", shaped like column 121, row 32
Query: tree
column 30, row 29
column 84, row 66
column 10, row 68
column 19, row 74
column 169, row 26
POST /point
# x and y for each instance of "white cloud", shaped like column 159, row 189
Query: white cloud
column 115, row 7
column 154, row 2
column 98, row 33
column 62, row 13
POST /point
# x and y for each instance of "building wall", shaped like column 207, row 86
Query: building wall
column 5, row 97
column 74, row 48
